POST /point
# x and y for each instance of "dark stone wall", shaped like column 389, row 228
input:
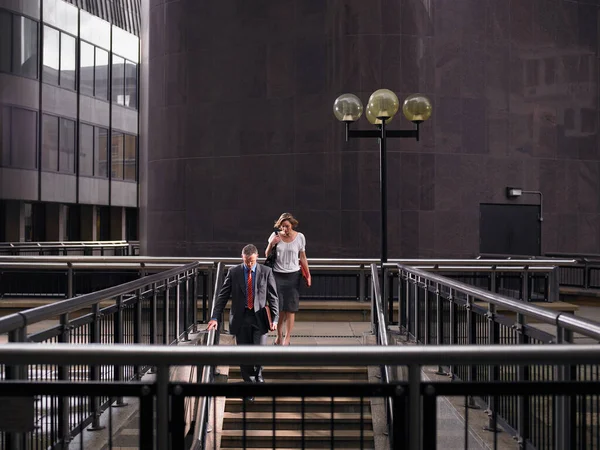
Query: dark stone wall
column 241, row 125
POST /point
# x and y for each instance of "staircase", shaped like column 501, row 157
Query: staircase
column 288, row 416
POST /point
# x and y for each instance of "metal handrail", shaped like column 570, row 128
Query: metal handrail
column 165, row 356
column 565, row 320
column 207, row 370
column 30, row 316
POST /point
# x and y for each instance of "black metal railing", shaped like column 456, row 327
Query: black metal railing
column 417, row 420
column 158, row 309
column 65, row 248
column 438, row 311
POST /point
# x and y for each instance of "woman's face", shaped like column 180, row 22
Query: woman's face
column 285, row 227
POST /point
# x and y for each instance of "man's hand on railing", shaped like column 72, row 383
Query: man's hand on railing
column 212, row 325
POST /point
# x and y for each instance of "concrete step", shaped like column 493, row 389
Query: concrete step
column 294, row 438
column 294, row 404
column 293, row 421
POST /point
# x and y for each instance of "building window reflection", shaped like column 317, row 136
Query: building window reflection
column 5, row 40
column 49, row 143
column 101, row 74
column 116, row 156
column 101, row 152
column 86, row 150
column 59, row 58
column 18, row 137
column 66, row 162
column 130, row 162
column 86, row 68
column 25, row 45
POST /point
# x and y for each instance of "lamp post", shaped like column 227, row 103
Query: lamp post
column 381, row 108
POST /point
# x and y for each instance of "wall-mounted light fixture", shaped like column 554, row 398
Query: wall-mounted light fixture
column 381, row 108
column 515, row 192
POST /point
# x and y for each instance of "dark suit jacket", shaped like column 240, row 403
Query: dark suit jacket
column 234, row 287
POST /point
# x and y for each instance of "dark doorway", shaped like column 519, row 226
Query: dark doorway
column 73, row 228
column 510, row 230
column 103, row 223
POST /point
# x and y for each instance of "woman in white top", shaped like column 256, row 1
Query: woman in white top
column 290, row 265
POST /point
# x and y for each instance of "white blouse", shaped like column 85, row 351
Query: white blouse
column 288, row 260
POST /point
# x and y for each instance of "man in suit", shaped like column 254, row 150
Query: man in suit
column 250, row 286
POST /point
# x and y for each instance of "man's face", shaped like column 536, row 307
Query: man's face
column 250, row 261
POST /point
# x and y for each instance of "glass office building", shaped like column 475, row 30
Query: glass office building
column 69, row 120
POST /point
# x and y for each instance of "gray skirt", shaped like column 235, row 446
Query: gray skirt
column 287, row 290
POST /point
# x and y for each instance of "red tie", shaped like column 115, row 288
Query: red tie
column 249, row 290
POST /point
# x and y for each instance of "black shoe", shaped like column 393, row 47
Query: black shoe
column 260, row 379
column 250, row 399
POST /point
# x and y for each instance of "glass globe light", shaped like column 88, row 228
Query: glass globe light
column 372, row 118
column 347, row 108
column 417, row 108
column 383, row 103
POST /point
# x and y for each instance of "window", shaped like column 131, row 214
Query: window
column 5, row 40
column 86, row 150
column 23, row 139
column 66, row 162
column 130, row 84
column 130, row 158
column 101, row 72
column 118, row 80
column 51, row 55
column 50, row 143
column 101, row 152
column 25, row 40
column 116, row 162
column 4, row 136
column 86, row 68
column 67, row 61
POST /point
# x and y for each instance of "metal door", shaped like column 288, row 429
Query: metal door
column 510, row 229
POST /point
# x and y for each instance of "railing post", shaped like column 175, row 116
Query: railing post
column 186, row 306
column 400, row 430
column 525, row 284
column 94, row 338
column 554, row 285
column 361, row 283
column 195, row 299
column 69, row 280
column 406, row 284
column 162, row 407
column 522, row 375
column 472, row 340
column 166, row 314
column 16, row 441
column 453, row 327
column 177, row 306
column 414, row 406
column 427, row 313
column 562, row 403
column 493, row 370
column 440, row 323
column 64, row 406
column 137, row 328
column 118, row 339
column 416, row 309
column 373, row 306
column 208, row 293
column 154, row 315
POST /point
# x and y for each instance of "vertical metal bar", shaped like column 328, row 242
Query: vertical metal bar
column 70, row 280
column 427, row 313
column 16, row 441
column 186, row 306
column 154, row 315
column 177, row 419
column 414, row 406
column 137, row 328
column 208, row 291
column 406, row 302
column 399, row 431
column 453, row 327
column 493, row 372
column 562, row 403
column 177, row 306
column 439, row 323
column 554, row 285
column 162, row 407
column 166, row 314
column 383, row 192
column 361, row 283
column 94, row 338
column 522, row 375
column 64, row 407
column 118, row 339
column 146, row 419
column 525, row 284
column 416, row 310
column 195, row 300
column 374, row 307
column 430, row 418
